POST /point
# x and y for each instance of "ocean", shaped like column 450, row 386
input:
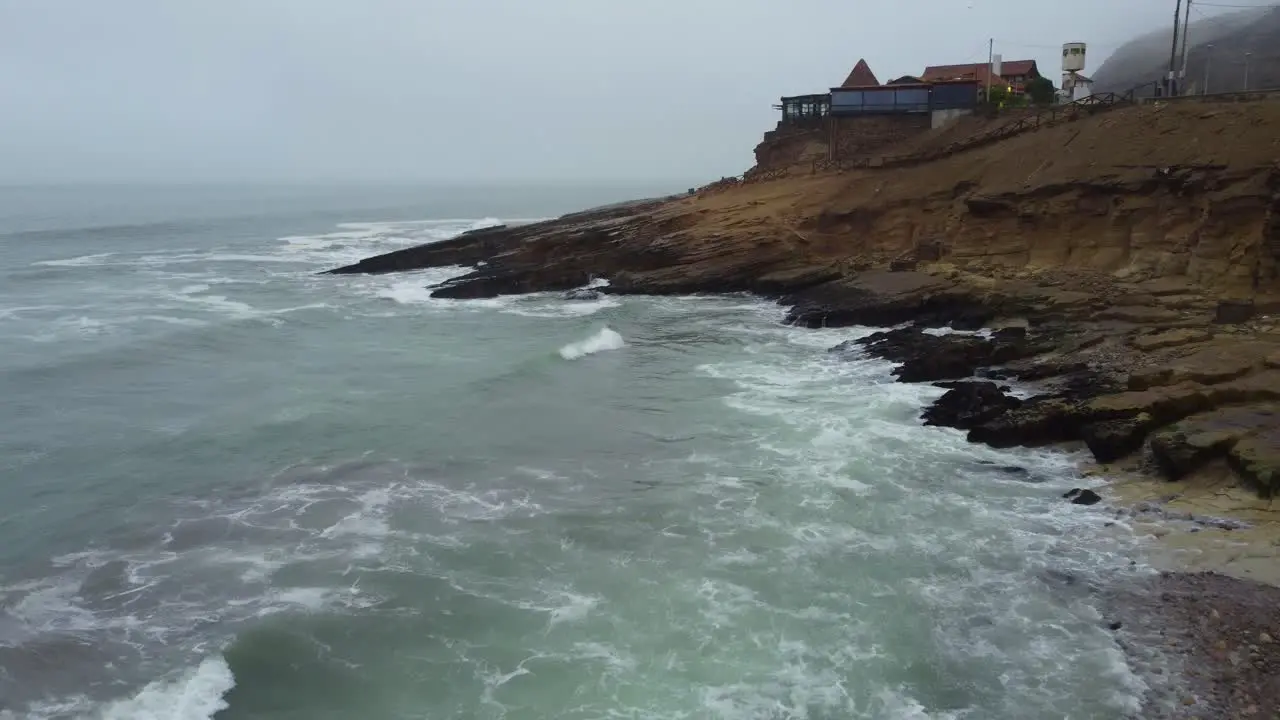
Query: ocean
column 233, row 488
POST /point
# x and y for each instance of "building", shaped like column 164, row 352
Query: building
column 1075, row 87
column 1014, row 74
column 862, row 117
column 862, row 94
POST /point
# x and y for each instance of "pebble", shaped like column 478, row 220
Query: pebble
column 1265, row 639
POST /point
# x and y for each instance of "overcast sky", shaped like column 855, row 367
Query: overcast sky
column 470, row 90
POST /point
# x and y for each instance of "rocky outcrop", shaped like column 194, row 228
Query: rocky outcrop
column 926, row 357
column 967, row 405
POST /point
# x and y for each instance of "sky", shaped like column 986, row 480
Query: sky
column 468, row 90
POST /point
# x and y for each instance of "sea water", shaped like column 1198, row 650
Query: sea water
column 234, row 488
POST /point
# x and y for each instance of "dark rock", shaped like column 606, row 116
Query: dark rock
column 1111, row 440
column 968, row 404
column 903, row 264
column 883, row 299
column 1114, row 626
column 1079, row 496
column 971, row 320
column 1039, row 421
column 582, row 294
column 1009, row 334
column 987, row 207
column 1231, row 312
column 926, row 357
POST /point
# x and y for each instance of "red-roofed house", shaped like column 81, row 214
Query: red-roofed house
column 1013, row 73
column 860, row 76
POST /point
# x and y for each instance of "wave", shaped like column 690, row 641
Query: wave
column 196, row 695
column 79, row 261
column 606, row 339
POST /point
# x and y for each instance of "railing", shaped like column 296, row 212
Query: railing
column 1239, row 96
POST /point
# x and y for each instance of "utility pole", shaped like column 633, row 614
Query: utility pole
column 1186, row 34
column 1246, row 71
column 991, row 49
column 1173, row 51
column 1208, row 56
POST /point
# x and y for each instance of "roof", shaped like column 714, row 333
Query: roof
column 884, row 88
column 861, row 76
column 906, row 80
column 978, row 70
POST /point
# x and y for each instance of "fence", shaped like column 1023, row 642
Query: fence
column 1248, row 96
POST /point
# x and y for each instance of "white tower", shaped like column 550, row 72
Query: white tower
column 1073, row 57
column 1073, row 62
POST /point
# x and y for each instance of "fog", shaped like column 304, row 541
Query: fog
column 468, row 90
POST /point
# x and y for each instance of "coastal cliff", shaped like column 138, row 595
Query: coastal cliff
column 1128, row 262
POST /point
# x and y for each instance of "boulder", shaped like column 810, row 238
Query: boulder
column 1111, row 440
column 967, row 405
column 1079, row 496
column 582, row 294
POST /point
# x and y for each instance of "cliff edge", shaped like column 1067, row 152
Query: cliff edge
column 1128, row 263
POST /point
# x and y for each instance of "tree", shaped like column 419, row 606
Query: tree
column 997, row 95
column 1041, row 91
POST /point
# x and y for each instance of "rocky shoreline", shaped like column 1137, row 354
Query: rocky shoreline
column 1165, row 387
column 1134, row 296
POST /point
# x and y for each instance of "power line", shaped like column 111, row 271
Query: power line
column 1242, row 7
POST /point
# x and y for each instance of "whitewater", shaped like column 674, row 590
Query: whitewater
column 236, row 488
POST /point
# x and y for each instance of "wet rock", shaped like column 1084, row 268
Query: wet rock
column 882, row 299
column 1039, row 421
column 582, row 294
column 1012, row 333
column 927, row 357
column 1256, row 458
column 1080, row 496
column 1184, row 447
column 1111, row 440
column 967, row 405
column 1231, row 312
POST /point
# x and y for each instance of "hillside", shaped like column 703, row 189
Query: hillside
column 1255, row 31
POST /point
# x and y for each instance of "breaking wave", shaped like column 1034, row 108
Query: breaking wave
column 606, row 339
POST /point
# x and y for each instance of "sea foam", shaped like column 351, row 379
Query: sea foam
column 606, row 339
column 196, row 695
